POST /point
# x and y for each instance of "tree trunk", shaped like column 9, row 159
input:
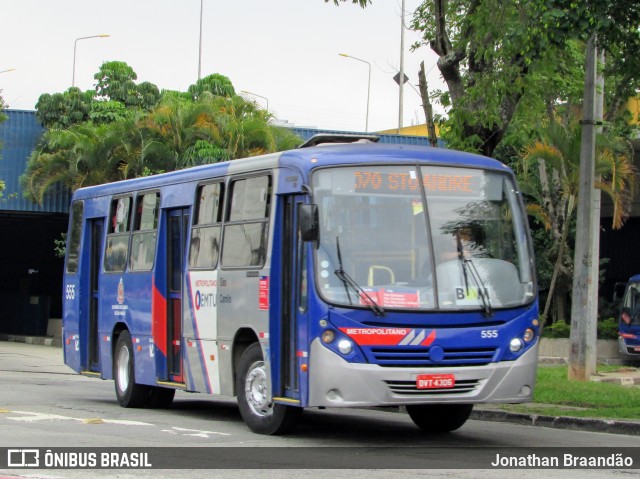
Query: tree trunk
column 426, row 105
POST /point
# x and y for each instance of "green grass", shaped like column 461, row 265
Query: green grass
column 555, row 395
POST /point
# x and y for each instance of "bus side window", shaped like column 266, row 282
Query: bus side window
column 143, row 241
column 73, row 245
column 205, row 234
column 246, row 229
column 115, row 257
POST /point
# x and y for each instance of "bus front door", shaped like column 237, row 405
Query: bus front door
column 178, row 226
column 294, row 308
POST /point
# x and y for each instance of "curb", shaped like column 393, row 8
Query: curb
column 611, row 426
column 36, row 340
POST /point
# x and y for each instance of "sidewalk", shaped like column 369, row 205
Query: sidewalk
column 626, row 376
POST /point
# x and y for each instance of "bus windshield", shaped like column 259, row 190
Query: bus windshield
column 430, row 237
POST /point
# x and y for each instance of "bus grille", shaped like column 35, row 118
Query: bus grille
column 409, row 388
column 412, row 357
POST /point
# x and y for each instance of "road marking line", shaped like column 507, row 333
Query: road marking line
column 199, row 433
column 37, row 416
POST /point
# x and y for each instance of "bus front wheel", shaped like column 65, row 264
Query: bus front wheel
column 257, row 410
column 129, row 393
column 439, row 418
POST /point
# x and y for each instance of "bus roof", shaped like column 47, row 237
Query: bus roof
column 368, row 152
column 330, row 154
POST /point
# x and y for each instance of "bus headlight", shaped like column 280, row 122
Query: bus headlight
column 516, row 345
column 328, row 336
column 529, row 334
column 345, row 346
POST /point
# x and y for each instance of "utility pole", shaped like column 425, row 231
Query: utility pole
column 200, row 42
column 582, row 353
column 595, row 241
column 401, row 76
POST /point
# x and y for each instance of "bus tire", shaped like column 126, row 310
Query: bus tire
column 439, row 418
column 129, row 393
column 261, row 416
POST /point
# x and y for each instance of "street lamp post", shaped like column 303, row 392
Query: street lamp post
column 366, row 128
column 200, row 40
column 75, row 45
column 259, row 96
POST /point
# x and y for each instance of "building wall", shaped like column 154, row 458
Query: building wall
column 404, row 139
column 19, row 135
column 30, row 273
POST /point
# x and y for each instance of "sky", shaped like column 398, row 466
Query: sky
column 286, row 52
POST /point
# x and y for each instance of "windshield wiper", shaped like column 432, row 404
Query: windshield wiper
column 349, row 282
column 468, row 264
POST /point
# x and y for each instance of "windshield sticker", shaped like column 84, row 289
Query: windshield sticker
column 392, row 297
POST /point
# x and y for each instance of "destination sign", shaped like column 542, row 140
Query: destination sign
column 463, row 184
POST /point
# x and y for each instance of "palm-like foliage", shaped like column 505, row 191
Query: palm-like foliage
column 82, row 155
column 178, row 133
column 550, row 170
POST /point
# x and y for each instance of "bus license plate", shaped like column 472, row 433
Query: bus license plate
column 435, row 381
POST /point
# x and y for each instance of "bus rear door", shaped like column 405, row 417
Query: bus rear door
column 92, row 359
column 167, row 305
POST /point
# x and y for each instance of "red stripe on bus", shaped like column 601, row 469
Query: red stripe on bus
column 159, row 323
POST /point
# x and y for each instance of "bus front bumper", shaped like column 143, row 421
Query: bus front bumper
column 334, row 382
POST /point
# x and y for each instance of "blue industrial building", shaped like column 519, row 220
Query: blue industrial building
column 30, row 273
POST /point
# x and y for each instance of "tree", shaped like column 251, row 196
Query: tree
column 3, row 106
column 107, row 111
column 61, row 110
column 216, row 84
column 82, row 155
column 550, row 175
column 178, row 133
column 487, row 53
column 115, row 81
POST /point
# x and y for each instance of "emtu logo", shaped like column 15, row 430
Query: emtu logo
column 204, row 300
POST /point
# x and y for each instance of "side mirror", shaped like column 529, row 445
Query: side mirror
column 308, row 223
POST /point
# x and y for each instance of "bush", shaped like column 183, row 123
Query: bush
column 559, row 329
column 607, row 329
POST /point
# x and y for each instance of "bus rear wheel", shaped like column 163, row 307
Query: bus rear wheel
column 129, row 393
column 258, row 412
column 439, row 418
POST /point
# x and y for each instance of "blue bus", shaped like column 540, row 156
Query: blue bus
column 344, row 273
column 629, row 320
